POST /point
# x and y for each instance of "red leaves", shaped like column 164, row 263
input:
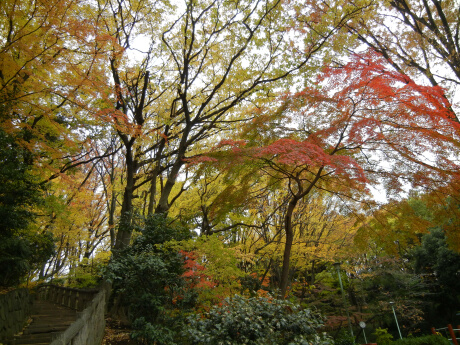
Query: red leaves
column 194, row 272
column 233, row 143
column 368, row 78
column 387, row 109
column 200, row 159
column 295, row 153
column 362, row 110
column 292, row 152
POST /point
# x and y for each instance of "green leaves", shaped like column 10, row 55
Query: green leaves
column 21, row 248
column 18, row 189
column 147, row 281
column 255, row 321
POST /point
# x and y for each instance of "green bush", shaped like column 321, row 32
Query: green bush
column 147, row 283
column 21, row 253
column 383, row 337
column 256, row 321
column 88, row 274
column 426, row 340
column 344, row 338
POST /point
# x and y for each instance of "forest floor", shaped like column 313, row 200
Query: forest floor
column 116, row 334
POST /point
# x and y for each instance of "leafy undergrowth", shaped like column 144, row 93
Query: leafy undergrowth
column 116, row 334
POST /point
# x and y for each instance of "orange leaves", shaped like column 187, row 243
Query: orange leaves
column 369, row 79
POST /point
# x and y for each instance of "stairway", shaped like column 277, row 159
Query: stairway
column 48, row 320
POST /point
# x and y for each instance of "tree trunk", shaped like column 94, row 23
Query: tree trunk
column 124, row 231
column 312, row 276
column 153, row 192
column 287, row 247
column 111, row 221
column 163, row 202
column 301, row 193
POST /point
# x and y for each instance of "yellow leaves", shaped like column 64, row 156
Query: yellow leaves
column 396, row 227
column 322, row 231
column 43, row 62
column 218, row 265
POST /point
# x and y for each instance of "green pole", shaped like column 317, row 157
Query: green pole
column 396, row 319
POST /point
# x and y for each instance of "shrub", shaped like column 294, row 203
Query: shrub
column 147, row 283
column 426, row 340
column 383, row 337
column 256, row 321
column 344, row 338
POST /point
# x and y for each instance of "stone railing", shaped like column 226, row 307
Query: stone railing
column 90, row 324
column 72, row 298
column 15, row 307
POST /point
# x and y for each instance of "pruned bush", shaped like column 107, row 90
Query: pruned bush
column 256, row 321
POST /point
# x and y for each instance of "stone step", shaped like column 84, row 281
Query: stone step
column 47, row 328
column 42, row 338
column 48, row 321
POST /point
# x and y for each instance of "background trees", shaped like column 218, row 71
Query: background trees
column 250, row 120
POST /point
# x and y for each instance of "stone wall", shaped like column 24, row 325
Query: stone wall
column 15, row 307
column 89, row 327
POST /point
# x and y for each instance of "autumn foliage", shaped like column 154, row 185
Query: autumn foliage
column 197, row 151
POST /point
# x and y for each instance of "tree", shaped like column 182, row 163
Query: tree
column 306, row 164
column 416, row 38
column 362, row 111
column 47, row 54
column 420, row 40
column 186, row 88
column 76, row 212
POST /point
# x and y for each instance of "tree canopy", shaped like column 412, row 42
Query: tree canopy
column 258, row 127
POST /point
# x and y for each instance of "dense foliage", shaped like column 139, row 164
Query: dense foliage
column 147, row 282
column 22, row 249
column 252, row 321
column 439, row 266
column 427, row 340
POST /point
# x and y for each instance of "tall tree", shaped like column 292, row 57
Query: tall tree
column 43, row 67
column 208, row 59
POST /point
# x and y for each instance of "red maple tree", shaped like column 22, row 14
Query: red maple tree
column 359, row 115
